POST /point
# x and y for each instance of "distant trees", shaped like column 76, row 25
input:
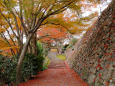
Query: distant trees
column 59, row 27
column 49, row 34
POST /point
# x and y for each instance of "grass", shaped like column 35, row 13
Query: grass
column 62, row 57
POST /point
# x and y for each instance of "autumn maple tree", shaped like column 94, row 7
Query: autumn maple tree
column 31, row 14
column 22, row 18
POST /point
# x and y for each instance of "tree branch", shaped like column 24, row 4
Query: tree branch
column 49, row 14
column 9, row 24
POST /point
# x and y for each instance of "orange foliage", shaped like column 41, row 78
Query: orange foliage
column 50, row 33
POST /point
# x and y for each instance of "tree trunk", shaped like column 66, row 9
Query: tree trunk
column 93, row 58
column 2, row 83
column 21, row 57
column 33, row 44
column 23, row 52
column 20, row 49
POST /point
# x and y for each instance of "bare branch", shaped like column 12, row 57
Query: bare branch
column 8, row 24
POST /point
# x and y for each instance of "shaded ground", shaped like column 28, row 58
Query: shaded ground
column 57, row 74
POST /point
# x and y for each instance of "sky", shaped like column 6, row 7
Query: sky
column 98, row 9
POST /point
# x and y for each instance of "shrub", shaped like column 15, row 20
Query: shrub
column 7, row 69
column 31, row 66
column 42, row 53
column 42, row 49
column 46, row 63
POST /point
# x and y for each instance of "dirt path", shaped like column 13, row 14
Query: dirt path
column 57, row 74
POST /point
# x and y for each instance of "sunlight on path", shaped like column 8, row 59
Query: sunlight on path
column 61, row 57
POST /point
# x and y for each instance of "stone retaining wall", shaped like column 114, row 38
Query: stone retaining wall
column 94, row 55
